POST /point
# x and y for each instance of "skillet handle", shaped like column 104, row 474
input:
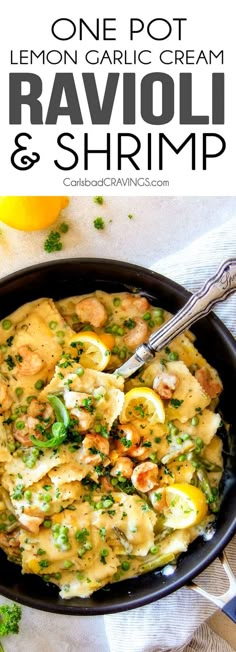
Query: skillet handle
column 227, row 601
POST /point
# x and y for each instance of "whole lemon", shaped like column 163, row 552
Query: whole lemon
column 31, row 213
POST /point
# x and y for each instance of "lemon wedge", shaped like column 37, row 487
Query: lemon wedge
column 95, row 354
column 186, row 506
column 143, row 403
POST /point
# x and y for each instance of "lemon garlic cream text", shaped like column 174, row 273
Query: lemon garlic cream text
column 102, row 480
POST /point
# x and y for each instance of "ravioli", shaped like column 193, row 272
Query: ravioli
column 83, row 491
column 38, row 329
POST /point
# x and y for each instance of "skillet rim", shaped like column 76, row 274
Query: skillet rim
column 185, row 577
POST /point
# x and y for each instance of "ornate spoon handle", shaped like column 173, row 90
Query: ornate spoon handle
column 216, row 289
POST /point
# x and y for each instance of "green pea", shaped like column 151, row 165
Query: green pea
column 99, row 505
column 158, row 312
column 120, row 331
column 153, row 457
column 6, row 324
column 151, row 323
column 67, row 564
column 153, row 550
column 159, row 321
column 174, row 430
column 47, row 498
column 114, row 328
column 116, row 301
column 98, row 427
column 199, row 441
column 19, row 391
column 182, row 458
column 108, row 329
column 125, row 565
column 30, row 398
column 122, row 355
column 20, row 425
column 3, row 348
column 179, row 440
column 173, row 356
column 147, row 316
column 47, row 523
column 195, row 421
column 39, row 384
column 52, row 325
column 185, row 436
column 60, row 333
column 28, row 495
column 115, row 350
column 79, row 371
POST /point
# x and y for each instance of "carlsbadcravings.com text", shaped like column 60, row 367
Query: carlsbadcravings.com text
column 116, row 182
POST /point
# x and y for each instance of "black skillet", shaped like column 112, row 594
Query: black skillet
column 64, row 278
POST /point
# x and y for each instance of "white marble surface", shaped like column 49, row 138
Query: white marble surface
column 160, row 226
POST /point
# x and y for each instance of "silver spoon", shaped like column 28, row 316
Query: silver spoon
column 216, row 289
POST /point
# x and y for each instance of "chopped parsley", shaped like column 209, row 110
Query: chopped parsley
column 64, row 227
column 129, row 323
column 17, row 493
column 175, row 402
column 53, row 242
column 10, row 362
column 126, row 442
column 98, row 200
column 99, row 223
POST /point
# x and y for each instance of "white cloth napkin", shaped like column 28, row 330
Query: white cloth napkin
column 170, row 623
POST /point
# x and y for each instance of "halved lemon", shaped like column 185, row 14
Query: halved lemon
column 186, row 506
column 95, row 354
column 142, row 403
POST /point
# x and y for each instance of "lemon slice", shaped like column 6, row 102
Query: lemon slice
column 95, row 354
column 143, row 403
column 186, row 506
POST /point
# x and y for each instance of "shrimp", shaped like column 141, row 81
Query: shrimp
column 105, row 484
column 210, row 386
column 91, row 310
column 5, row 398
column 9, row 541
column 30, row 428
column 131, row 438
column 137, row 335
column 158, row 499
column 31, row 523
column 94, row 449
column 41, row 410
column 144, row 476
column 124, row 467
column 28, row 361
column 135, row 304
column 74, row 401
column 165, row 385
